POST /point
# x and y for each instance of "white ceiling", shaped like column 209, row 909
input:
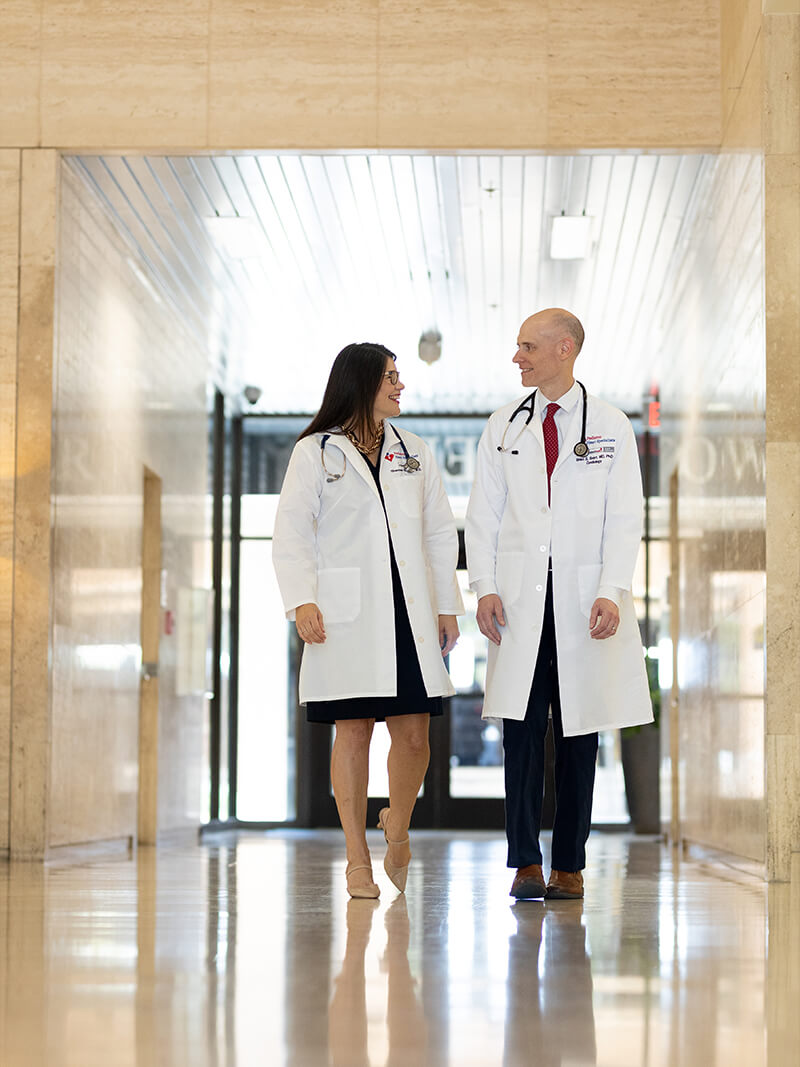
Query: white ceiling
column 354, row 247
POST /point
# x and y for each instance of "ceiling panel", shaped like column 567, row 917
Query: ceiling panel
column 382, row 247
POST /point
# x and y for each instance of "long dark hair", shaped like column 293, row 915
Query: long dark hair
column 353, row 383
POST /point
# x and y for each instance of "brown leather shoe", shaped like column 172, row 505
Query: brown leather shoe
column 528, row 883
column 565, row 885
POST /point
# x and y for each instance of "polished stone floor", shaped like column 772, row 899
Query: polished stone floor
column 245, row 950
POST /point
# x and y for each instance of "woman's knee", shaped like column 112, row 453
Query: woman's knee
column 354, row 733
column 412, row 737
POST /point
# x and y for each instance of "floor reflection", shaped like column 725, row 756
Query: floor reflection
column 246, row 951
column 405, row 1026
column 549, row 1005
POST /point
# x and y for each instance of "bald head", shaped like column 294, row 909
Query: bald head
column 547, row 346
column 557, row 321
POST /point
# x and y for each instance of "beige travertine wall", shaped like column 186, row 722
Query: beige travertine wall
column 9, row 242
column 360, row 73
column 781, row 131
column 130, row 392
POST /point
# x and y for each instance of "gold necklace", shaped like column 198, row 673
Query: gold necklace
column 366, row 449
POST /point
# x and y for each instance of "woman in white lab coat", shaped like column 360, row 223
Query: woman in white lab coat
column 365, row 550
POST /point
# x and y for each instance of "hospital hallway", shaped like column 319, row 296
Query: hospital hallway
column 245, row 950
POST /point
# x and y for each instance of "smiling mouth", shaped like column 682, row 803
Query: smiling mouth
column 395, row 397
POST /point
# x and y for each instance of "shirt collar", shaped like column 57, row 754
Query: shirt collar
column 567, row 402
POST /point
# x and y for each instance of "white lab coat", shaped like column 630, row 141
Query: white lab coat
column 331, row 548
column 593, row 530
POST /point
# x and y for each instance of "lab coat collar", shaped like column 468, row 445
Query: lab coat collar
column 355, row 461
column 567, row 402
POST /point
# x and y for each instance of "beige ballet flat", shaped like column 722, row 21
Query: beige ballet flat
column 397, row 875
column 361, row 892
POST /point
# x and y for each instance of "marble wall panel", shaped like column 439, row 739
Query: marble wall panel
column 125, row 73
column 463, row 74
column 781, row 32
column 10, row 161
column 740, row 29
column 130, row 393
column 360, row 73
column 615, row 75
column 30, row 696
column 20, row 70
column 742, row 118
column 287, row 74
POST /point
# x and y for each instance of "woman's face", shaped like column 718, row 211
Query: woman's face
column 387, row 399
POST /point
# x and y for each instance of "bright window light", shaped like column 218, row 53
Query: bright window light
column 238, row 237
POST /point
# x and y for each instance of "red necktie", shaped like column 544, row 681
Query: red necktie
column 550, row 442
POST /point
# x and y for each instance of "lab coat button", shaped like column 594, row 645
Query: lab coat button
column 544, row 511
column 420, row 639
column 394, row 525
column 411, row 600
column 402, row 562
column 538, row 589
column 542, row 548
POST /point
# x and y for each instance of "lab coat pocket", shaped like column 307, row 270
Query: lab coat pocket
column 588, row 584
column 591, row 489
column 339, row 593
column 409, row 492
column 508, row 576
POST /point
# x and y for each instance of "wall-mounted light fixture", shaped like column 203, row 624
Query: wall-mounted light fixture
column 570, row 237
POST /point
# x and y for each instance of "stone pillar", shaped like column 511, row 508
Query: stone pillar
column 9, row 275
column 31, row 708
column 781, row 132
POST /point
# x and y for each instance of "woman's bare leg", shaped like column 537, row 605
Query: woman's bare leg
column 408, row 760
column 349, row 777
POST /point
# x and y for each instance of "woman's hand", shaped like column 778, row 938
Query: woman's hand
column 310, row 627
column 448, row 633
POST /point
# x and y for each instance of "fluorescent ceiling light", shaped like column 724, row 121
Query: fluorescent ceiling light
column 238, row 237
column 570, row 237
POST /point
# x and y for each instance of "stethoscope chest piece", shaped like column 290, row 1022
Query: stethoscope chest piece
column 411, row 465
column 581, row 449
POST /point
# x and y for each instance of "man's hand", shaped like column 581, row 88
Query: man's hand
column 490, row 616
column 604, row 620
column 310, row 627
column 448, row 633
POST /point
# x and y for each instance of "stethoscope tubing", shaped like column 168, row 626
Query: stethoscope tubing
column 529, row 404
column 411, row 465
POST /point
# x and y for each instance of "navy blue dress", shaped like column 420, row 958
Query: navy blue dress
column 411, row 699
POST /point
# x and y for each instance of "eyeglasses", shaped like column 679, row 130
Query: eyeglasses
column 393, row 376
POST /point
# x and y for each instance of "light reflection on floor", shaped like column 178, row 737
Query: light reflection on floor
column 246, row 951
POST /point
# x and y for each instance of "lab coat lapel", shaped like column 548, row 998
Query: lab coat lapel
column 572, row 435
column 534, row 427
column 355, row 461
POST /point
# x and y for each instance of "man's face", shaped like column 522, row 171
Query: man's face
column 538, row 347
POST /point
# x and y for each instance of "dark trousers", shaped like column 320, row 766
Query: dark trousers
column 575, row 758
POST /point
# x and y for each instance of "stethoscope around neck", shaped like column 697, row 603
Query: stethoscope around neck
column 581, row 449
column 410, row 464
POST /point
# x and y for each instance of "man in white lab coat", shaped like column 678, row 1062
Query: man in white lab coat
column 552, row 533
